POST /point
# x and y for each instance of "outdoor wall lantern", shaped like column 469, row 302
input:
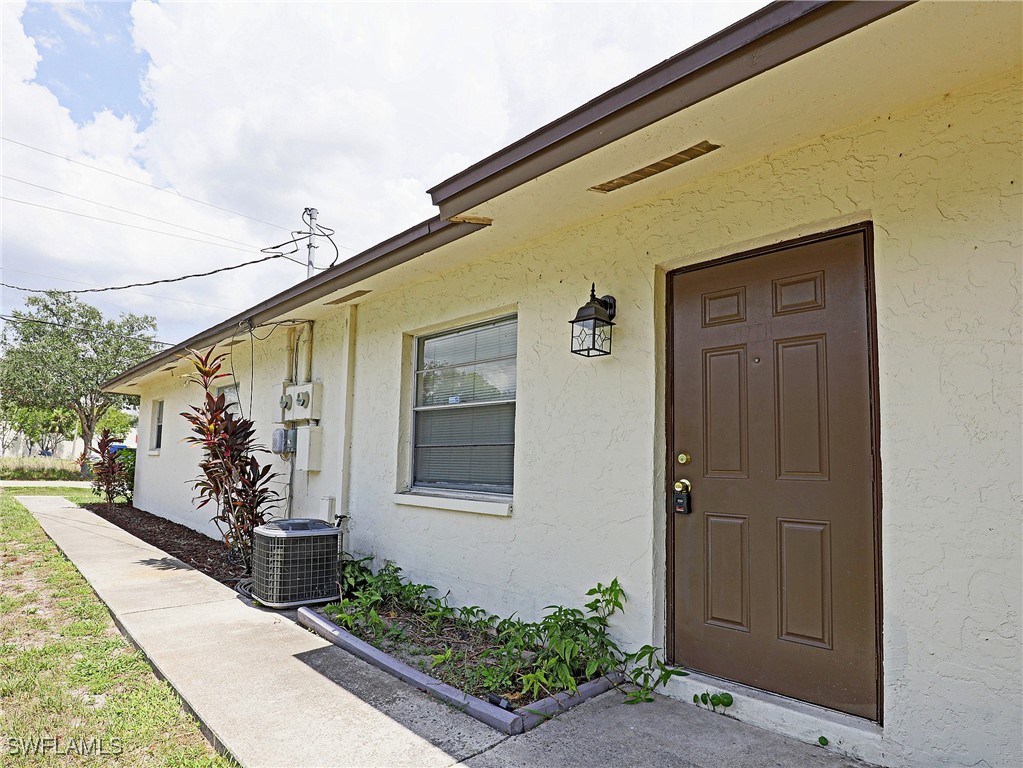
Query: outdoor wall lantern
column 591, row 329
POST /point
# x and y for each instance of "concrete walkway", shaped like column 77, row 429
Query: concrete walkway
column 273, row 694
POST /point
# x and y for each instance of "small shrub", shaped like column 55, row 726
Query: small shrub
column 232, row 478
column 126, row 458
column 108, row 474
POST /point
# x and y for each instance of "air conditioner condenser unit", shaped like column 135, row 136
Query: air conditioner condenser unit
column 295, row 562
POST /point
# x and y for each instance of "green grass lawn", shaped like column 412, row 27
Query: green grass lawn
column 67, row 674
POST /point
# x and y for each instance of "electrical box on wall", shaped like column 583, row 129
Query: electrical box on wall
column 282, row 441
column 301, row 402
column 308, row 448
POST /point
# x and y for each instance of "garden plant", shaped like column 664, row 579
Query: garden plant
column 508, row 659
column 109, row 473
column 232, row 477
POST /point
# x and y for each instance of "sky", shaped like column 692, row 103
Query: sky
column 145, row 140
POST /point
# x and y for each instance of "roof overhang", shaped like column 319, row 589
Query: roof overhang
column 768, row 83
column 772, row 36
column 414, row 242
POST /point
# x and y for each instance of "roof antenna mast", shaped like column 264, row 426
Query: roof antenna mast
column 310, row 268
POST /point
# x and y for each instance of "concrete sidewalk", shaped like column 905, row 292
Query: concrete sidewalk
column 272, row 694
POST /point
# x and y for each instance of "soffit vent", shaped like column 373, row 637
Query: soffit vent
column 348, row 297
column 695, row 151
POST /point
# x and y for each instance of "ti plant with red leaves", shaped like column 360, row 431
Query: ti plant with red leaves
column 232, row 478
column 109, row 477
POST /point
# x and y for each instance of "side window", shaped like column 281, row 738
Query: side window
column 156, row 433
column 464, row 410
column 231, row 400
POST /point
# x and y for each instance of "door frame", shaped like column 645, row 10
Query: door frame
column 866, row 228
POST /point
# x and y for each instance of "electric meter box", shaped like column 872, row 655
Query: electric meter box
column 304, row 401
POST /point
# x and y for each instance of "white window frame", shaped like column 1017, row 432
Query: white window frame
column 156, row 426
column 456, row 499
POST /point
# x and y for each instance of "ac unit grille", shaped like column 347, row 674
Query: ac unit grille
column 295, row 569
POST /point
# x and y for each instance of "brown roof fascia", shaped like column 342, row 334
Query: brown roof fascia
column 765, row 39
column 414, row 242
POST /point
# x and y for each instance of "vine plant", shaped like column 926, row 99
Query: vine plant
column 232, row 477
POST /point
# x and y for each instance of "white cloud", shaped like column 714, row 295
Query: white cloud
column 76, row 16
column 355, row 109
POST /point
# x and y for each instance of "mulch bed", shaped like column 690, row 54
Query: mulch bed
column 206, row 555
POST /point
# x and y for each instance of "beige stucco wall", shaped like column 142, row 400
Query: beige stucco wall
column 941, row 183
column 163, row 477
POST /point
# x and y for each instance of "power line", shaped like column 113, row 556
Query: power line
column 137, row 293
column 122, row 224
column 151, row 282
column 130, row 213
column 10, row 319
column 143, row 183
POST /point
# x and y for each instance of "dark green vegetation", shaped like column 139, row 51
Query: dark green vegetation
column 113, row 470
column 713, row 700
column 42, row 429
column 482, row 654
column 58, row 352
column 66, row 674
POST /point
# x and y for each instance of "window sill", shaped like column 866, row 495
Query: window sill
column 477, row 506
column 154, row 452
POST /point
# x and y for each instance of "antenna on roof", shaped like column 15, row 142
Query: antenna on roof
column 311, row 246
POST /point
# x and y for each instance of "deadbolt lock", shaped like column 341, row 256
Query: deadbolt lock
column 684, row 458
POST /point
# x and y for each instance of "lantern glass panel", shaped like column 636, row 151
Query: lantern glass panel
column 582, row 336
column 602, row 339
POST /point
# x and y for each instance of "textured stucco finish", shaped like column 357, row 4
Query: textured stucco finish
column 162, row 482
column 941, row 184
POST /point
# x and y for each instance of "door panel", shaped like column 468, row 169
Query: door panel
column 774, row 571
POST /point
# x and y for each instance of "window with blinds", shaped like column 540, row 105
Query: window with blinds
column 464, row 422
column 156, row 431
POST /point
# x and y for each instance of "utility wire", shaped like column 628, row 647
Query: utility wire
column 137, row 293
column 122, row 224
column 151, row 282
column 143, row 183
column 10, row 319
column 130, row 213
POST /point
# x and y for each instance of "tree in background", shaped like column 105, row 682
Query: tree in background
column 118, row 422
column 58, row 351
column 8, row 427
column 45, row 427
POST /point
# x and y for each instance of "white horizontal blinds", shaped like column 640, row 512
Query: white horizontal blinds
column 465, row 409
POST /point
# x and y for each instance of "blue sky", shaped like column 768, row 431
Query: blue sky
column 119, row 117
column 88, row 59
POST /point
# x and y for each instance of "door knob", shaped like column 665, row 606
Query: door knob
column 684, row 458
column 683, row 485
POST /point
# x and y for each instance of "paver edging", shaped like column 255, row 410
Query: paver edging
column 509, row 722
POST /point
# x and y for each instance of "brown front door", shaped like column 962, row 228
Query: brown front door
column 773, row 578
